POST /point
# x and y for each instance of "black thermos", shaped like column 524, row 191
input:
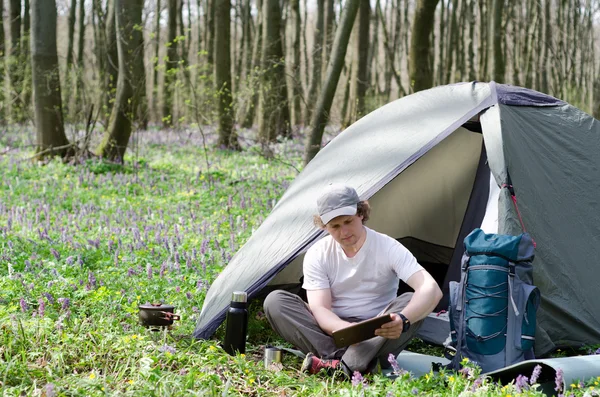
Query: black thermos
column 236, row 324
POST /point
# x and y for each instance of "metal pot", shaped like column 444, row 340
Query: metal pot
column 157, row 315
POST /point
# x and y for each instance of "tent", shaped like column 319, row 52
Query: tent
column 435, row 165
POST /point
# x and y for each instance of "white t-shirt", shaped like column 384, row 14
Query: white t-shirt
column 361, row 286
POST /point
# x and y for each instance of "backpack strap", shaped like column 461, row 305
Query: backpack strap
column 511, row 189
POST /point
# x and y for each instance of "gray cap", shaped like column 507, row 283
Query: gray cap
column 337, row 200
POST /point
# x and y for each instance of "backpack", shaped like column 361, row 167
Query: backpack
column 493, row 306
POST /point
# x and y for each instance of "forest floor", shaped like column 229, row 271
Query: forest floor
column 82, row 245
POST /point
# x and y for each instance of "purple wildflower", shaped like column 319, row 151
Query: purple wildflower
column 189, row 295
column 163, row 269
column 199, row 285
column 178, row 289
column 70, row 260
column 64, row 303
column 467, row 372
column 149, row 271
column 521, row 383
column 50, row 390
column 92, row 280
column 130, row 272
column 167, row 349
column 394, row 363
column 49, row 297
column 41, row 307
column 55, row 253
column 24, row 305
column 357, row 379
column 478, row 382
column 415, row 391
column 558, row 381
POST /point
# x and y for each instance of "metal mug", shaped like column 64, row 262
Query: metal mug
column 272, row 355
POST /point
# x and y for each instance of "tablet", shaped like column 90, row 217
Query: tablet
column 360, row 331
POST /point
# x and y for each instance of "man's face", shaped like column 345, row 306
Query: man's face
column 346, row 229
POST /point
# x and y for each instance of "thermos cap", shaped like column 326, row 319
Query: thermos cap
column 239, row 296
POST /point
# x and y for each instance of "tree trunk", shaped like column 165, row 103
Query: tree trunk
column 130, row 45
column 596, row 101
column 482, row 51
column 227, row 136
column 362, row 57
column 317, row 53
column 156, row 61
column 80, row 73
column 199, row 30
column 451, row 42
column 495, row 57
column 334, row 68
column 348, row 109
column 273, row 116
column 16, row 75
column 50, row 137
column 328, row 31
column 389, row 52
column 421, row 71
column 80, row 47
column 112, row 59
column 183, row 60
column 516, row 49
column 295, row 81
column 25, row 38
column 26, row 26
column 210, row 31
column 2, row 71
column 371, row 63
column 471, row 45
column 306, row 75
column 99, row 26
column 441, row 44
column 461, row 65
column 246, row 60
column 71, row 34
column 171, row 66
column 247, row 116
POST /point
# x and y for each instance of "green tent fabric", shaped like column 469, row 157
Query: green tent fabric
column 435, row 165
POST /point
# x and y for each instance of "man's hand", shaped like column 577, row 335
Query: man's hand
column 391, row 330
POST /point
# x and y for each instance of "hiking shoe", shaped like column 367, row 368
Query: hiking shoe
column 313, row 365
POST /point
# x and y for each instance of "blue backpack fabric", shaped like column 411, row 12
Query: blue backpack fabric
column 493, row 306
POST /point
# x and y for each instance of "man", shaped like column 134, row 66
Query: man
column 349, row 276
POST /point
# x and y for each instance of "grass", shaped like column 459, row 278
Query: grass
column 81, row 246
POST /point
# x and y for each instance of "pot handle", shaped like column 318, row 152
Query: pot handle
column 171, row 316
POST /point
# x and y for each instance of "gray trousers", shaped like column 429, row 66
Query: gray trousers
column 292, row 319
